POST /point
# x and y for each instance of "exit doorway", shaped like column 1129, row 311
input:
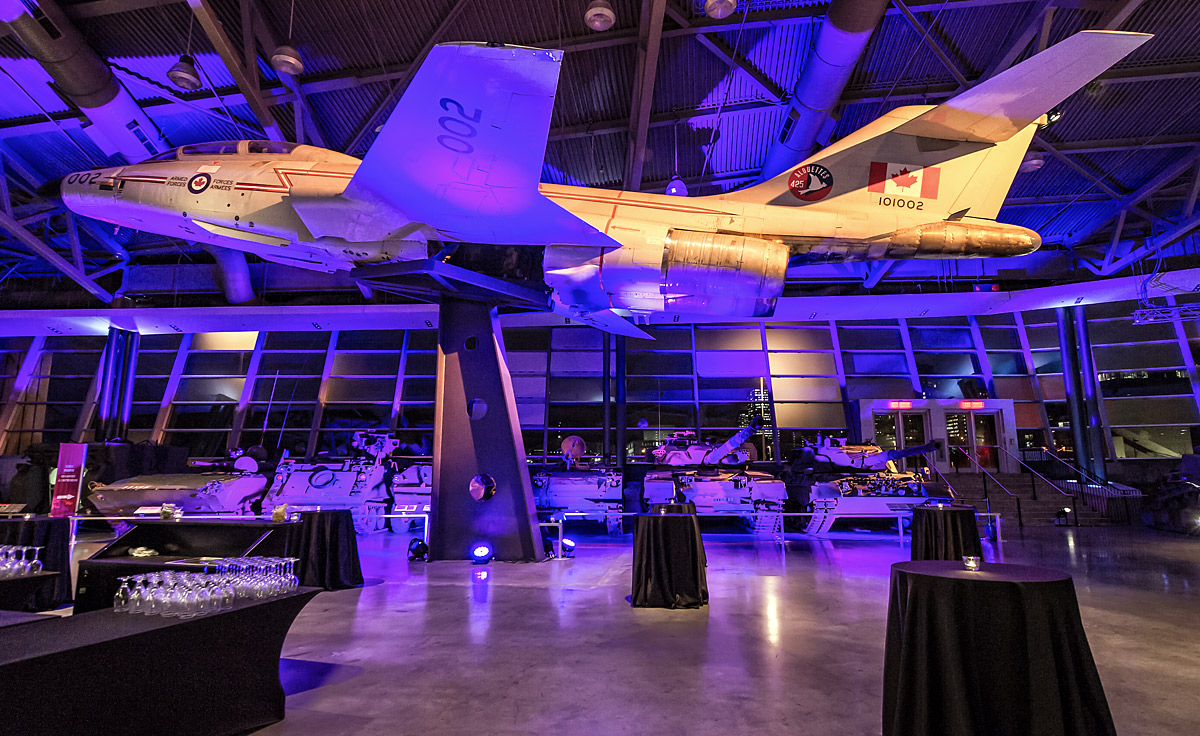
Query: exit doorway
column 901, row 430
column 973, row 434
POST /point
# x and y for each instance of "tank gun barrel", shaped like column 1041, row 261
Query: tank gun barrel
column 719, row 453
column 912, row 451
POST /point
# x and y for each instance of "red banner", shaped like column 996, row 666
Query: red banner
column 68, row 484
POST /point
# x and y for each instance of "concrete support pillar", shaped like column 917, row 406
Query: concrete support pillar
column 1073, row 387
column 115, row 398
column 1093, row 424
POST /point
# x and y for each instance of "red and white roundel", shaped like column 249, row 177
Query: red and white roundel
column 810, row 183
column 199, row 183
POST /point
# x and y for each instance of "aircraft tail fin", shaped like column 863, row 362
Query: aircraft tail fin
column 925, row 163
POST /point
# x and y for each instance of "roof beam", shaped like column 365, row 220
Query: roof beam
column 728, row 56
column 1130, row 201
column 927, row 39
column 1019, row 39
column 246, row 79
column 650, row 31
column 399, row 85
column 45, row 251
column 1156, row 244
column 307, row 122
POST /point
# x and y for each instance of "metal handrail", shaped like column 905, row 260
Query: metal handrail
column 1033, row 486
column 1083, row 474
column 945, row 481
column 1025, row 465
column 1020, row 515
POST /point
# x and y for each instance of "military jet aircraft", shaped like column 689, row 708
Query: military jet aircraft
column 460, row 158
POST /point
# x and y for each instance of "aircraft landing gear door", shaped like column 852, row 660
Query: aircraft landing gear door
column 899, row 430
column 975, row 433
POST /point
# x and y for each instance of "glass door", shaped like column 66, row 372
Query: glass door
column 974, row 433
column 900, row 431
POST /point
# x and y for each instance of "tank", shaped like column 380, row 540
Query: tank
column 370, row 485
column 707, row 475
column 233, row 492
column 579, row 490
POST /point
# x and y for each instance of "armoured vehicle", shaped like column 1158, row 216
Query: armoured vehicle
column 580, row 491
column 231, row 488
column 370, row 485
column 709, row 476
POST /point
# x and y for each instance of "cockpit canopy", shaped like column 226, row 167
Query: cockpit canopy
column 249, row 148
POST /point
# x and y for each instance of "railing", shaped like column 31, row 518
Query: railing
column 986, row 476
column 929, row 465
column 1034, row 475
column 1099, row 495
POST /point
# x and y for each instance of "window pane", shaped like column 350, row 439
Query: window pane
column 876, row 363
column 653, row 364
column 709, row 338
column 356, row 415
column 360, row 389
column 1144, row 383
column 998, row 339
column 936, row 339
column 1011, row 364
column 296, row 341
column 217, row 364
column 199, row 444
column 291, row 364
column 286, row 390
column 210, row 389
column 371, row 340
column 366, row 364
column 657, row 388
column 729, row 389
column 679, row 416
column 665, row 338
column 869, row 339
column 952, row 364
column 792, row 338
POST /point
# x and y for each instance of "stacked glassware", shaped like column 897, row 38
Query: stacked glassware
column 16, row 561
column 190, row 594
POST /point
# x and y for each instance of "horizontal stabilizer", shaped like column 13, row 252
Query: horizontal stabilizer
column 1000, row 107
column 606, row 320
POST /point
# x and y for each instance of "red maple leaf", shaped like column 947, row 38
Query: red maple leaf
column 904, row 179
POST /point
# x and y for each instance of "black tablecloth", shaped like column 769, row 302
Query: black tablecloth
column 668, row 562
column 687, row 507
column 327, row 549
column 946, row 533
column 55, row 536
column 118, row 673
column 19, row 594
column 998, row 652
column 16, row 618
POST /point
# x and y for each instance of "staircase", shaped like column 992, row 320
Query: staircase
column 970, row 488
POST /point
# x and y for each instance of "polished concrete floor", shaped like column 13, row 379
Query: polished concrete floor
column 792, row 642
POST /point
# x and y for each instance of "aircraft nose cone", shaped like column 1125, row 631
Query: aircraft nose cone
column 51, row 190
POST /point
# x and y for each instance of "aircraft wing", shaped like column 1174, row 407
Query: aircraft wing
column 462, row 151
column 1000, row 107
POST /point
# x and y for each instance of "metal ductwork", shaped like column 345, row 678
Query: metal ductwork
column 232, row 272
column 840, row 43
column 80, row 75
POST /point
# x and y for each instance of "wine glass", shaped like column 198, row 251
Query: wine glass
column 122, row 597
column 36, row 565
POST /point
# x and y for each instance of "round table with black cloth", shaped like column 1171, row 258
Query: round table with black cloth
column 327, row 550
column 945, row 533
column 687, row 507
column 668, row 562
column 998, row 652
column 54, row 536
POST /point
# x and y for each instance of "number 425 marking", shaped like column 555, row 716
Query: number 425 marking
column 458, row 127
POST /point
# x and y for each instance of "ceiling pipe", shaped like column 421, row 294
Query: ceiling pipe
column 119, row 125
column 840, row 43
column 232, row 273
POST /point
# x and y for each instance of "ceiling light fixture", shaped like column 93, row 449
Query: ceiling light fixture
column 183, row 74
column 676, row 187
column 719, row 9
column 599, row 15
column 285, row 59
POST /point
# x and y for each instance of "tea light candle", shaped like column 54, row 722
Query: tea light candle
column 971, row 562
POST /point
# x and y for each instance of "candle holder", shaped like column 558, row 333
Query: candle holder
column 971, row 562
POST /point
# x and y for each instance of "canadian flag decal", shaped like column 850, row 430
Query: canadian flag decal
column 904, row 179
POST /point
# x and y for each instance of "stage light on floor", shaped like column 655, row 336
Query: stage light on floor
column 568, row 548
column 418, row 551
column 481, row 553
